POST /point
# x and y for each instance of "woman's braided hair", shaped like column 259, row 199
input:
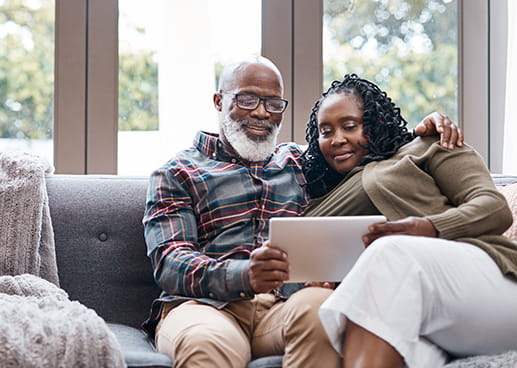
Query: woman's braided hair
column 383, row 126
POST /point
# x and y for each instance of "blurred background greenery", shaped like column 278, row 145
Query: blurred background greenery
column 408, row 47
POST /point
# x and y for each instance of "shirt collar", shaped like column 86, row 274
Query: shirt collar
column 212, row 146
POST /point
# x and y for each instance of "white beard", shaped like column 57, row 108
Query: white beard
column 247, row 148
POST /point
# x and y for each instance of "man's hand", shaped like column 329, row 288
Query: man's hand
column 269, row 268
column 418, row 226
column 436, row 123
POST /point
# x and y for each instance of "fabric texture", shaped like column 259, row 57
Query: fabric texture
column 432, row 295
column 100, row 246
column 26, row 235
column 510, row 193
column 41, row 327
column 422, row 179
column 263, row 326
column 137, row 349
column 503, row 360
column 207, row 210
column 452, row 189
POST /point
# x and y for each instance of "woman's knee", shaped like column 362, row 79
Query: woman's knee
column 396, row 250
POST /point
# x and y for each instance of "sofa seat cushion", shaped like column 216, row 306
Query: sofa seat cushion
column 274, row 361
column 137, row 348
column 139, row 351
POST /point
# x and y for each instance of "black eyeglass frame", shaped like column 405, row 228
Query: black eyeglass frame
column 260, row 99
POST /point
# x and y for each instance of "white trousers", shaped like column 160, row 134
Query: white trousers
column 426, row 297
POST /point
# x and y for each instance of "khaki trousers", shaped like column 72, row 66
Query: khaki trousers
column 198, row 335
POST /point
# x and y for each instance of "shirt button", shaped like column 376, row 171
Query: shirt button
column 242, row 294
column 234, row 160
column 211, row 295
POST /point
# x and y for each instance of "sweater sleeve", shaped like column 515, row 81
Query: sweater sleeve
column 477, row 206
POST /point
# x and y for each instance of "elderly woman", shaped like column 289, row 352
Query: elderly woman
column 438, row 278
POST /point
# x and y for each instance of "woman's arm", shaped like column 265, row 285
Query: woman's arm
column 450, row 193
column 480, row 208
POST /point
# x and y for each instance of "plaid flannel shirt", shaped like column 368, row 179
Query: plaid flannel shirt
column 207, row 210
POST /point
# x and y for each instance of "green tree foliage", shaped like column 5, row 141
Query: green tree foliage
column 138, row 91
column 408, row 47
column 27, row 75
column 26, row 69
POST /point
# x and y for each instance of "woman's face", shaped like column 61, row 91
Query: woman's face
column 340, row 127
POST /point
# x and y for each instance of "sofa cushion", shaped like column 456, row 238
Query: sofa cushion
column 100, row 246
column 137, row 349
column 510, row 193
column 274, row 361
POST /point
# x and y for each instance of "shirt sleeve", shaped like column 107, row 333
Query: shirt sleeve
column 179, row 265
column 464, row 179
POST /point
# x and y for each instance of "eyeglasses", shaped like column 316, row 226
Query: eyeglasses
column 248, row 101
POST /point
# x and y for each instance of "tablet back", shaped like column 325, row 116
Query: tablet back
column 320, row 248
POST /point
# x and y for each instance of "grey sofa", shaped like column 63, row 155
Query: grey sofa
column 102, row 261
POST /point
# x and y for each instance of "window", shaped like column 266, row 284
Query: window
column 27, row 76
column 170, row 56
column 408, row 48
column 89, row 133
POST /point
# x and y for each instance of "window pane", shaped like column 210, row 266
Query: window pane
column 170, row 55
column 27, row 76
column 409, row 48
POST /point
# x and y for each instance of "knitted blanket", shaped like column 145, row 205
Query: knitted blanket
column 503, row 360
column 26, row 234
column 41, row 327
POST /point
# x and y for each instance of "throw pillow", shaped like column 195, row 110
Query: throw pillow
column 510, row 193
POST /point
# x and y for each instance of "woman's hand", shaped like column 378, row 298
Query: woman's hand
column 436, row 123
column 417, row 226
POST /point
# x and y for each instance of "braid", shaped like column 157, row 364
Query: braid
column 383, row 126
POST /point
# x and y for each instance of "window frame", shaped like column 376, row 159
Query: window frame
column 86, row 76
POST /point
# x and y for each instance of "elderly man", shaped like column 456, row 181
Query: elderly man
column 224, row 300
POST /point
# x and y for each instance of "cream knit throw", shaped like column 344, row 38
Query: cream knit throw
column 41, row 327
column 26, row 234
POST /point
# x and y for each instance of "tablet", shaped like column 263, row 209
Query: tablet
column 320, row 248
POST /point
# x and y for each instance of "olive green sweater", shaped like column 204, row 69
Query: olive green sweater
column 452, row 189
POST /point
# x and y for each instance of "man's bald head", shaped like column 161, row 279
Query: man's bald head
column 232, row 74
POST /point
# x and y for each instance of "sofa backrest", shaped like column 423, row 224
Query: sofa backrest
column 100, row 247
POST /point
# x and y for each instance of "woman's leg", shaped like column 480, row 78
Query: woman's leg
column 424, row 296
column 363, row 349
